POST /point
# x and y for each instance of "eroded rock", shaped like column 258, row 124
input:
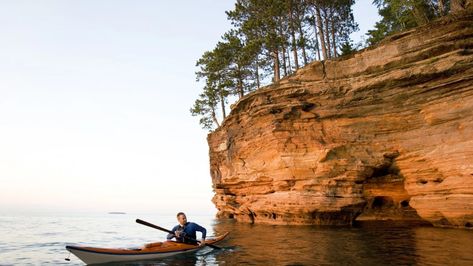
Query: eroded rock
column 384, row 135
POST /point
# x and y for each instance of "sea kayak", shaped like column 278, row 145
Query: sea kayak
column 93, row 255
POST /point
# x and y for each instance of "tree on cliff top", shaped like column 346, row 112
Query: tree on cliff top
column 239, row 66
column 270, row 38
column 399, row 15
column 260, row 21
column 273, row 38
column 213, row 71
column 227, row 70
column 206, row 107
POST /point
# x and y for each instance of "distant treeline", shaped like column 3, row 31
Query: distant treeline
column 271, row 39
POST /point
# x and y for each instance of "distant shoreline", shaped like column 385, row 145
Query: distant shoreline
column 117, row 213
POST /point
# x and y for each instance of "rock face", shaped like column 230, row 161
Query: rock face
column 384, row 135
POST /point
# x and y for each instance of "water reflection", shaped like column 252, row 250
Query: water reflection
column 311, row 245
column 444, row 246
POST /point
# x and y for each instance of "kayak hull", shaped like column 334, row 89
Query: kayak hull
column 93, row 255
column 89, row 257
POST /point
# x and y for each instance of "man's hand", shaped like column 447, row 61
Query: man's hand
column 202, row 242
column 177, row 233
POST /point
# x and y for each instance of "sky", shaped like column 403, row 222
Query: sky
column 94, row 103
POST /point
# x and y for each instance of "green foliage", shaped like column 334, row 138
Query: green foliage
column 274, row 36
column 400, row 15
column 342, row 15
column 347, row 49
column 269, row 36
column 205, row 107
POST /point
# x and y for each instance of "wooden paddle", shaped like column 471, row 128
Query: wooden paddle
column 171, row 232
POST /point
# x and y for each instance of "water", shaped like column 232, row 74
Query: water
column 40, row 240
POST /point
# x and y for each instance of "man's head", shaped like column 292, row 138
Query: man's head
column 181, row 218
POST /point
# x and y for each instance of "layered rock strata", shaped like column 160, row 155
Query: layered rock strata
column 384, row 135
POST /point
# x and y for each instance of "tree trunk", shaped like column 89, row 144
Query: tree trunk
column 222, row 103
column 284, row 60
column 302, row 42
column 239, row 82
column 214, row 118
column 289, row 67
column 241, row 93
column 327, row 34
column 294, row 50
column 334, row 43
column 317, row 49
column 281, row 34
column 321, row 34
column 293, row 35
column 441, row 7
column 257, row 75
column 277, row 74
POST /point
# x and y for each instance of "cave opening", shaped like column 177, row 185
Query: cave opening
column 386, row 169
column 381, row 171
column 405, row 203
column 381, row 202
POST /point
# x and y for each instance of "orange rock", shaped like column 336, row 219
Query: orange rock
column 384, row 135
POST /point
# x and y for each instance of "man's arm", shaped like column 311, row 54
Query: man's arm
column 202, row 230
column 171, row 236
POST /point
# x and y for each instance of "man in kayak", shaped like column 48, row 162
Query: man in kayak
column 185, row 230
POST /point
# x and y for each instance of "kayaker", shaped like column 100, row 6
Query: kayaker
column 186, row 229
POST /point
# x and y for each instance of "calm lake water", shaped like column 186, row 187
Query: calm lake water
column 40, row 240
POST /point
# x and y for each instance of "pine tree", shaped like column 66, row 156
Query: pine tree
column 206, row 107
column 269, row 37
column 260, row 19
column 399, row 15
column 239, row 66
column 212, row 69
column 347, row 49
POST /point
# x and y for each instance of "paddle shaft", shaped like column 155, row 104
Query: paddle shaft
column 154, row 226
column 171, row 232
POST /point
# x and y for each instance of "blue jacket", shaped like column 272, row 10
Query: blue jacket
column 189, row 229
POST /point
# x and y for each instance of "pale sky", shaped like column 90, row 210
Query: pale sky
column 94, row 103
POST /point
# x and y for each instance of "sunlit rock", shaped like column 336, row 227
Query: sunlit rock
column 384, row 135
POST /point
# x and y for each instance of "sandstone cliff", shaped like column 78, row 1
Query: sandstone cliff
column 384, row 135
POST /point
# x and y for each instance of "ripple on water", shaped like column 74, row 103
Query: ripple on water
column 49, row 234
